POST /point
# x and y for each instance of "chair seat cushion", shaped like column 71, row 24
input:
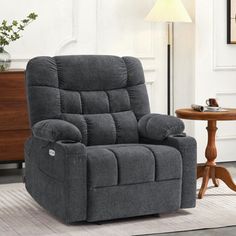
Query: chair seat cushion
column 123, row 164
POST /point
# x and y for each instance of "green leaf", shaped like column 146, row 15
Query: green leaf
column 32, row 16
column 25, row 21
column 10, row 32
column 4, row 22
column 14, row 23
column 21, row 27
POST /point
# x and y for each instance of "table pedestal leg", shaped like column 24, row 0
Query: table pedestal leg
column 206, row 176
column 214, row 177
column 210, row 169
column 200, row 171
column 224, row 175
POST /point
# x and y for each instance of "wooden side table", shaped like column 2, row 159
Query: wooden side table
column 14, row 125
column 210, row 170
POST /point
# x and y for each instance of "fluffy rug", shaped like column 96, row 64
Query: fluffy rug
column 21, row 215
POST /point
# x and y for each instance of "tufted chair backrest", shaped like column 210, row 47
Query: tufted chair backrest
column 103, row 96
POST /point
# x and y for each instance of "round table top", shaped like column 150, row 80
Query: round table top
column 190, row 114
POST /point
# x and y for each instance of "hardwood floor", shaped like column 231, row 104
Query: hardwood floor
column 8, row 176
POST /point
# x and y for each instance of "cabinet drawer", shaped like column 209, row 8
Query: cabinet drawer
column 12, row 87
column 13, row 116
column 12, row 145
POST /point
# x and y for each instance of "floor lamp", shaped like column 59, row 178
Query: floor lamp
column 169, row 11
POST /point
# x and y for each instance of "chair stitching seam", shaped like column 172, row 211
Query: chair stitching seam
column 116, row 127
column 87, row 131
column 117, row 164
column 108, row 98
column 155, row 161
column 59, row 84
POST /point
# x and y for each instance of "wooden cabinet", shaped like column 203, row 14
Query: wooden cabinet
column 14, row 125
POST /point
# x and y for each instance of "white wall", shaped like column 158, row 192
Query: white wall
column 93, row 27
column 215, row 74
column 107, row 27
column 205, row 66
column 184, row 63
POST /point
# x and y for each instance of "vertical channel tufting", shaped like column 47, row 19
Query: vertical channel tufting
column 62, row 104
column 136, row 87
column 127, row 179
column 127, row 72
column 59, row 72
column 116, row 127
column 101, row 129
column 109, row 103
column 59, row 83
column 88, row 136
column 129, row 100
column 95, row 102
column 85, row 121
column 82, row 103
column 155, row 161
column 117, row 164
column 108, row 97
column 139, row 100
column 109, row 94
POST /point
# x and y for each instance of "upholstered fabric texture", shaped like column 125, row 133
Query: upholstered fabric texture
column 187, row 147
column 118, row 164
column 55, row 130
column 89, row 91
column 159, row 127
column 96, row 152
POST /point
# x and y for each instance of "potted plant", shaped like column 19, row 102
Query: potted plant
column 9, row 33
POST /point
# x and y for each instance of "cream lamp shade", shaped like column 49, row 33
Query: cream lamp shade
column 168, row 11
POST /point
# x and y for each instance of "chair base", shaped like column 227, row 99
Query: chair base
column 124, row 201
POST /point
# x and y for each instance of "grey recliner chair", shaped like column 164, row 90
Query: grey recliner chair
column 96, row 153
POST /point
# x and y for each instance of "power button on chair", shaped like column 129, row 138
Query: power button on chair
column 51, row 152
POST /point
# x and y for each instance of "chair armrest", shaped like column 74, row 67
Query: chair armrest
column 187, row 147
column 59, row 181
column 55, row 130
column 158, row 127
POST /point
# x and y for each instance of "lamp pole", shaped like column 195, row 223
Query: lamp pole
column 170, row 52
column 168, row 69
column 169, row 11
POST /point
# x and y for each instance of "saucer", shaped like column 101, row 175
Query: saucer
column 213, row 108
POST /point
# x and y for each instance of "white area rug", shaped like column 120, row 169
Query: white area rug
column 20, row 215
